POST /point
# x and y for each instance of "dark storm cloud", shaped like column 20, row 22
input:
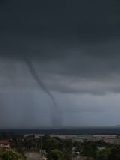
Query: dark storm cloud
column 81, row 70
column 74, row 46
column 64, row 23
column 83, row 19
column 77, row 70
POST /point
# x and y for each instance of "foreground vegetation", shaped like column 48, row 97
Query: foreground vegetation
column 52, row 148
column 59, row 149
column 10, row 155
column 98, row 150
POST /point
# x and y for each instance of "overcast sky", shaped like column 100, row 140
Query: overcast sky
column 74, row 46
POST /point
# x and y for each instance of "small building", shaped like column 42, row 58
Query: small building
column 4, row 144
column 101, row 148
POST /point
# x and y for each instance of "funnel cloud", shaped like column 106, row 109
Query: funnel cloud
column 55, row 112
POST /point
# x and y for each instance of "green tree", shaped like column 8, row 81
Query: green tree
column 103, row 154
column 115, row 153
column 11, row 155
column 56, row 155
column 89, row 148
column 51, row 143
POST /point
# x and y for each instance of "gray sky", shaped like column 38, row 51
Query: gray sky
column 74, row 47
